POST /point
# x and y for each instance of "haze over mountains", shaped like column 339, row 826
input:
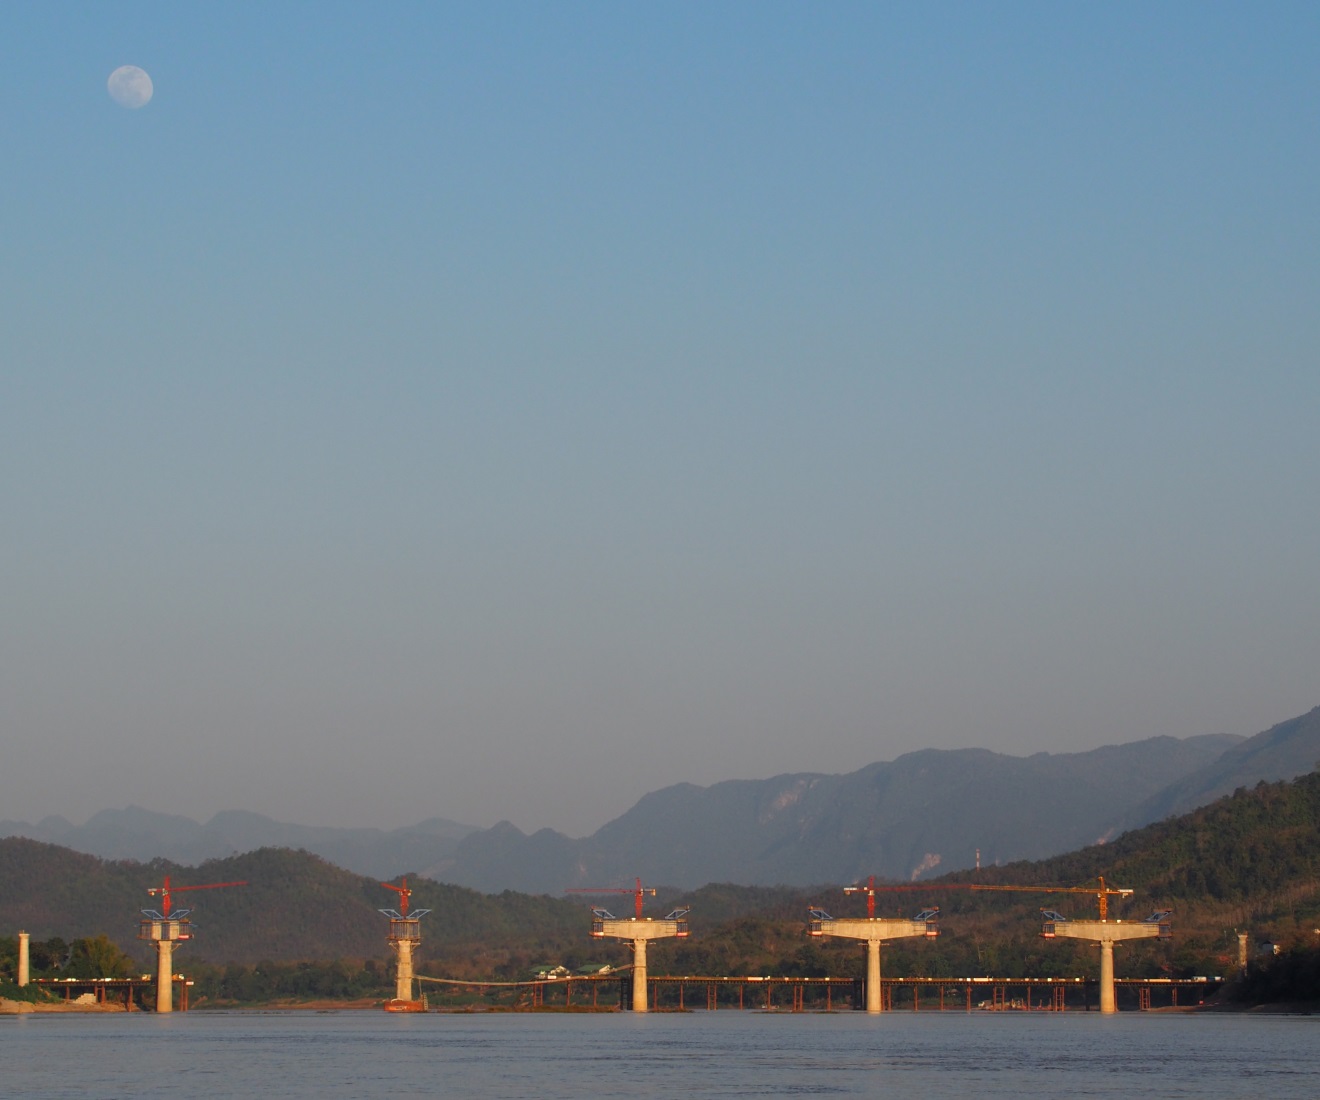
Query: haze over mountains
column 924, row 813
column 142, row 835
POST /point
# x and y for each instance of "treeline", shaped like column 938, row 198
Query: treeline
column 89, row 957
column 271, row 982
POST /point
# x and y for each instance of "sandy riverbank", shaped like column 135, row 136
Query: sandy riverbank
column 18, row 1008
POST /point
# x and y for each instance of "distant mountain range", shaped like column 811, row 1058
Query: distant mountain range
column 143, row 835
column 924, row 814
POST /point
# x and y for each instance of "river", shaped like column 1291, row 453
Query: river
column 926, row 1056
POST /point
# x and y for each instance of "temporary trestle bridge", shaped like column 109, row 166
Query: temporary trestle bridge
column 607, row 992
column 132, row 993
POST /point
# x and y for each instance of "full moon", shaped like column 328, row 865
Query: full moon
column 130, row 87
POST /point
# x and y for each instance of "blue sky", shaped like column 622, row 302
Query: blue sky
column 499, row 411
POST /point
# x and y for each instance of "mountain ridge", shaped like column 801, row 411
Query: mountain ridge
column 143, row 835
column 897, row 818
column 926, row 812
column 1284, row 751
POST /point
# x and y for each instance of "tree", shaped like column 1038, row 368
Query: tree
column 98, row 957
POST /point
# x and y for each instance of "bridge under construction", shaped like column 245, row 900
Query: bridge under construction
column 673, row 993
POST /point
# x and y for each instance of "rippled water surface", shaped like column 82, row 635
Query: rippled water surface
column 917, row 1057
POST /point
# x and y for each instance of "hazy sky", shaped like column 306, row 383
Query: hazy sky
column 503, row 410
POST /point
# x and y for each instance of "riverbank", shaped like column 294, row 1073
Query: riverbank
column 20, row 1008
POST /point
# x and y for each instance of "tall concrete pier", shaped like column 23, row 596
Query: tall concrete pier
column 24, row 958
column 166, row 928
column 873, row 931
column 1104, row 934
column 164, row 934
column 405, row 935
column 639, row 931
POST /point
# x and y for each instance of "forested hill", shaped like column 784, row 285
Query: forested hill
column 295, row 906
column 1250, row 860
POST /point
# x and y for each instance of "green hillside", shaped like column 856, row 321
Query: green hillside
column 295, row 907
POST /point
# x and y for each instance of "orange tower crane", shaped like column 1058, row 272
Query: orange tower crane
column 1102, row 893
column 165, row 929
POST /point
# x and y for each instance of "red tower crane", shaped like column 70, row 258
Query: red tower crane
column 165, row 929
column 869, row 890
column 164, row 892
column 404, row 894
column 637, row 892
column 405, row 935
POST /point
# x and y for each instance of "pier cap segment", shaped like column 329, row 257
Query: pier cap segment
column 1104, row 934
column 636, row 930
column 926, row 923
column 1057, row 926
column 873, row 931
column 605, row 925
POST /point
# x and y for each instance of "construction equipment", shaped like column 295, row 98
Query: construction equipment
column 165, row 891
column 404, row 894
column 1104, row 933
column 635, row 930
column 637, row 893
column 405, row 934
column 872, row 931
column 166, row 928
column 1102, row 893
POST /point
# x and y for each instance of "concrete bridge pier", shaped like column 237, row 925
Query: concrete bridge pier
column 164, row 934
column 637, row 931
column 403, row 974
column 875, row 1001
column 1104, row 934
column 639, row 976
column 1108, row 999
column 873, row 931
column 24, row 958
column 164, row 975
